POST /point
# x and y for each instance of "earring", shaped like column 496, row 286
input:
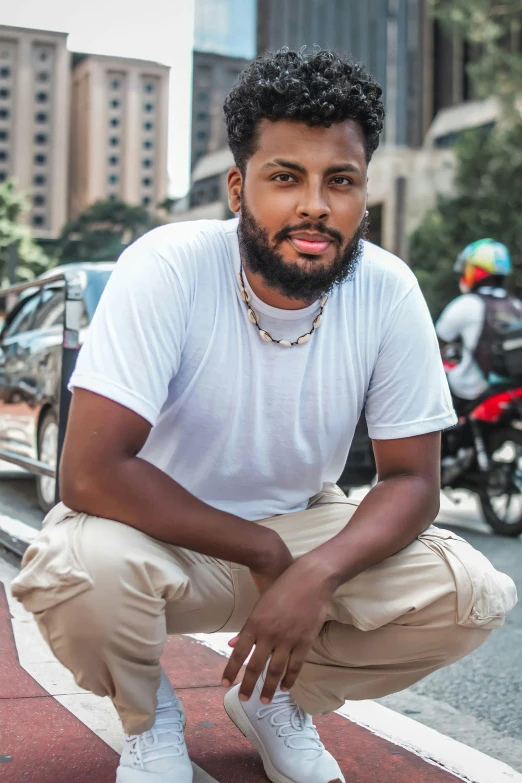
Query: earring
column 366, row 214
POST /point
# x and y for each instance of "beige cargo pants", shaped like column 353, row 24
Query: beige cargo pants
column 106, row 595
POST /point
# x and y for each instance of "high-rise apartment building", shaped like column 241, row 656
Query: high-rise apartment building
column 213, row 77
column 34, row 120
column 118, row 131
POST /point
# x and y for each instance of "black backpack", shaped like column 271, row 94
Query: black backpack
column 499, row 348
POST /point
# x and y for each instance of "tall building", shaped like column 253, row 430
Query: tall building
column 118, row 131
column 213, row 77
column 34, row 120
column 226, row 27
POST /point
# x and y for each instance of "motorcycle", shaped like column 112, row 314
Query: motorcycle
column 481, row 454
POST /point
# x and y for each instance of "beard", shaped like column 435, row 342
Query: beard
column 261, row 256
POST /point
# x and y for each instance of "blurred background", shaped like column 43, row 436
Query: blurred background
column 111, row 121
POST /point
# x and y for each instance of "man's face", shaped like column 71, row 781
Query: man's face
column 302, row 202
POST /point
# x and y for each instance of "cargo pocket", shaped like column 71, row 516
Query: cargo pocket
column 485, row 596
column 51, row 568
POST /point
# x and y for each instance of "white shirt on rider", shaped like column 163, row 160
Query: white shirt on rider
column 464, row 318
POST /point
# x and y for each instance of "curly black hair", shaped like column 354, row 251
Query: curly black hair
column 319, row 87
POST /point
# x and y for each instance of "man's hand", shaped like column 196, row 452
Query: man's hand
column 264, row 576
column 282, row 626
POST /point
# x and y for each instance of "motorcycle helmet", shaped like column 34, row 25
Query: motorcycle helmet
column 481, row 259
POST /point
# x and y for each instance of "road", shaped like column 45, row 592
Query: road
column 477, row 701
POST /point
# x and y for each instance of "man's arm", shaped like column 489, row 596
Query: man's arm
column 101, row 474
column 403, row 503
column 290, row 614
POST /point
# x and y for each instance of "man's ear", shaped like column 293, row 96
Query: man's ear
column 234, row 183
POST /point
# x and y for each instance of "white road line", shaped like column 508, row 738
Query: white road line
column 17, row 529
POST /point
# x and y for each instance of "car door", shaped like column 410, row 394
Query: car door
column 16, row 403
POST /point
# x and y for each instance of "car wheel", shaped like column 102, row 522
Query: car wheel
column 48, row 453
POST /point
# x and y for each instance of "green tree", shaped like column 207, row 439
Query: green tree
column 487, row 198
column 487, row 203
column 493, row 28
column 103, row 231
column 32, row 260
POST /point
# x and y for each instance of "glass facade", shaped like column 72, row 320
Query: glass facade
column 226, row 27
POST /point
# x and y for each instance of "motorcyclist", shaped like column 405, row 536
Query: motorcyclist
column 483, row 267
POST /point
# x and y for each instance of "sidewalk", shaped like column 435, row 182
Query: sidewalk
column 54, row 732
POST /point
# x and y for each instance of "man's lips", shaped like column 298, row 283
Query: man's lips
column 311, row 245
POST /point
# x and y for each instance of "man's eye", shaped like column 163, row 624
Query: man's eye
column 283, row 178
column 341, row 181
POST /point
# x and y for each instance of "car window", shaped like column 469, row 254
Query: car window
column 50, row 310
column 23, row 320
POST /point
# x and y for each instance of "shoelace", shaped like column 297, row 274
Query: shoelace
column 149, row 747
column 293, row 724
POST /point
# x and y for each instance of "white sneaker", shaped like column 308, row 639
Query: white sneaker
column 159, row 755
column 284, row 736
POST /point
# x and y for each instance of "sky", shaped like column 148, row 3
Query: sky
column 160, row 30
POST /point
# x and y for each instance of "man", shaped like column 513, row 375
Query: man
column 470, row 318
column 214, row 404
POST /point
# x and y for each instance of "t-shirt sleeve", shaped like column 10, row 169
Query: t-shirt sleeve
column 408, row 393
column 133, row 345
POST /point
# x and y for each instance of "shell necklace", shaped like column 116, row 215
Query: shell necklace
column 253, row 317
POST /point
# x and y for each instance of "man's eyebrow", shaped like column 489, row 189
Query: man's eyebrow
column 288, row 164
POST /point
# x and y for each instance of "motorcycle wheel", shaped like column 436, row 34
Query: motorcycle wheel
column 502, row 499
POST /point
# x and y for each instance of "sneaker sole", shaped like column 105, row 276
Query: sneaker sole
column 237, row 715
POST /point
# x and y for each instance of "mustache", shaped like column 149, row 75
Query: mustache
column 321, row 228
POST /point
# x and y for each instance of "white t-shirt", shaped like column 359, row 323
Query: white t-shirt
column 250, row 427
column 464, row 318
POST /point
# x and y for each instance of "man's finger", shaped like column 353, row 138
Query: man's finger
column 255, row 668
column 275, row 673
column 242, row 648
column 294, row 666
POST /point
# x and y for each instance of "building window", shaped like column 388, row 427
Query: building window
column 113, row 179
column 4, row 114
column 203, row 97
column 41, row 138
column 115, row 84
column 112, row 196
column 149, row 87
column 43, row 57
column 38, row 220
column 147, row 144
column 4, row 93
column 115, row 103
column 41, row 97
column 146, row 182
column 3, row 176
column 114, row 141
column 5, row 73
column 114, row 160
column 115, row 122
column 4, row 135
column 147, row 163
column 41, row 117
column 148, row 126
column 202, row 116
column 149, row 107
column 38, row 200
column 201, row 134
column 43, row 76
column 40, row 159
column 146, row 201
column 3, row 155
column 39, row 179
